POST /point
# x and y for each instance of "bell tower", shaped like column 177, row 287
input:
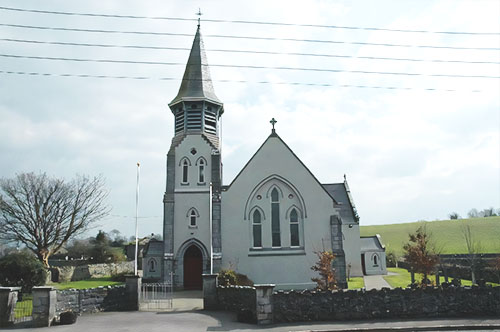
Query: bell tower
column 192, row 204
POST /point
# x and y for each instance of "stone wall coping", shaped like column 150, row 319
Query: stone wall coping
column 208, row 275
column 264, row 285
column 9, row 289
column 43, row 288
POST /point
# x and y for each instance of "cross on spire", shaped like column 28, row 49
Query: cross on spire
column 199, row 13
column 273, row 122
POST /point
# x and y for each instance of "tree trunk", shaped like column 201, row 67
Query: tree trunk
column 43, row 256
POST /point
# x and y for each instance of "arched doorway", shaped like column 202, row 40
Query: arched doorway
column 193, row 268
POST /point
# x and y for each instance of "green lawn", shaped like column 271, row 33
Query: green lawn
column 24, row 308
column 84, row 284
column 447, row 234
column 403, row 278
column 355, row 283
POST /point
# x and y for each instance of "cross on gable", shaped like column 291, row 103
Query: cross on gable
column 273, row 122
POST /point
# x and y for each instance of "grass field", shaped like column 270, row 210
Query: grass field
column 355, row 283
column 403, row 278
column 447, row 234
column 84, row 284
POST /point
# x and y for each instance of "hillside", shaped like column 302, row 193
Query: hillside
column 446, row 233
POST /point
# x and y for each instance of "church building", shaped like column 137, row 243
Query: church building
column 268, row 223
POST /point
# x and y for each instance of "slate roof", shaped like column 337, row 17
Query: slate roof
column 340, row 193
column 371, row 243
column 154, row 248
column 196, row 83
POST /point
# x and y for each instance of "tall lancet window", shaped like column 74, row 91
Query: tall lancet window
column 185, row 168
column 192, row 218
column 257, row 229
column 201, row 171
column 275, row 218
column 294, row 229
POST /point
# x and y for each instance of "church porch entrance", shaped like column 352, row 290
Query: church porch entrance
column 193, row 268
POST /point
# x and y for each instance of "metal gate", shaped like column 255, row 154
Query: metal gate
column 156, row 296
column 24, row 308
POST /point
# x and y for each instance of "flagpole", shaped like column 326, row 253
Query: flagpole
column 210, row 221
column 136, row 217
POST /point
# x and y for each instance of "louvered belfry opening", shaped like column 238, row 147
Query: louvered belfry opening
column 196, row 107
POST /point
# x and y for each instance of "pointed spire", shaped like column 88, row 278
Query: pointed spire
column 196, row 83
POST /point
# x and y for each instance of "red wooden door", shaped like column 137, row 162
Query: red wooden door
column 193, row 268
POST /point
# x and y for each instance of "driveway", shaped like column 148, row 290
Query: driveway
column 375, row 282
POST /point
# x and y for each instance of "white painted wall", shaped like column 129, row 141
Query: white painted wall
column 352, row 249
column 193, row 194
column 286, row 268
column 370, row 266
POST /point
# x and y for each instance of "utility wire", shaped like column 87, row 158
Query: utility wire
column 246, row 37
column 230, row 81
column 245, row 22
column 243, row 66
column 244, row 51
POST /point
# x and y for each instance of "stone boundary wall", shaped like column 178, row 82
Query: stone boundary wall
column 386, row 303
column 87, row 271
column 110, row 298
column 237, row 298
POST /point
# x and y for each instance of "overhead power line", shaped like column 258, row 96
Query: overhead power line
column 243, row 66
column 247, row 37
column 245, row 51
column 244, row 22
column 232, row 81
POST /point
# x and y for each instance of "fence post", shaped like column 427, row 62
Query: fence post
column 210, row 291
column 44, row 305
column 133, row 290
column 264, row 310
column 8, row 300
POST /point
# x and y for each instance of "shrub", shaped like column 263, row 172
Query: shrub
column 226, row 277
column 22, row 269
column 229, row 277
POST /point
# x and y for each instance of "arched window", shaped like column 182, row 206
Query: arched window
column 375, row 260
column 257, row 229
column 294, row 229
column 275, row 218
column 152, row 265
column 185, row 168
column 192, row 218
column 201, row 171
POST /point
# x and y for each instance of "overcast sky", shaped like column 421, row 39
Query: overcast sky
column 409, row 154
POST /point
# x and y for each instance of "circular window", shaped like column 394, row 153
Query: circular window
column 193, row 151
column 290, row 196
column 259, row 197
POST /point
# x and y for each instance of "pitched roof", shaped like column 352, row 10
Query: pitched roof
column 371, row 243
column 196, row 83
column 275, row 135
column 339, row 191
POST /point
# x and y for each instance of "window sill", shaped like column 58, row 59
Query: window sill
column 283, row 251
column 192, row 227
column 184, row 183
column 202, row 183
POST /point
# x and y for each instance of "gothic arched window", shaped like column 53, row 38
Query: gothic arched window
column 257, row 229
column 294, row 229
column 201, row 171
column 185, row 168
column 192, row 218
column 275, row 218
column 152, row 265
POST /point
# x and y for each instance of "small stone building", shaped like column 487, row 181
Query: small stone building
column 373, row 255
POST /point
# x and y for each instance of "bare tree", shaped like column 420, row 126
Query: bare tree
column 44, row 213
column 473, row 246
column 473, row 213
